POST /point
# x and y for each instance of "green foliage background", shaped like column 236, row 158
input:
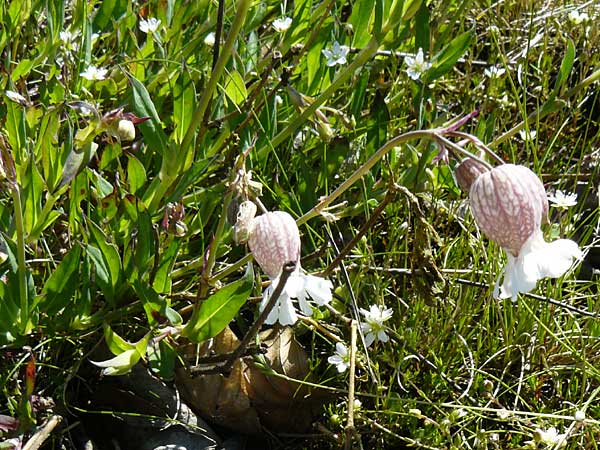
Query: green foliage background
column 127, row 236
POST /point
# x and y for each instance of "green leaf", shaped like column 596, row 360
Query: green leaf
column 152, row 302
column 162, row 278
column 444, row 60
column 116, row 344
column 77, row 161
column 184, row 95
column 136, row 174
column 565, row 66
column 63, row 282
column 143, row 106
column 120, row 364
column 109, row 11
column 359, row 19
column 219, row 309
column 161, row 359
column 235, row 88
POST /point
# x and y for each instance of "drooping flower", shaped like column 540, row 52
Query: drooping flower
column 416, row 65
column 282, row 24
column 373, row 327
column 337, row 54
column 93, row 73
column 563, row 200
column 341, row 358
column 274, row 240
column 150, row 25
column 509, row 204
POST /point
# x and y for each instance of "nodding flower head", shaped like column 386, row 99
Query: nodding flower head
column 509, row 204
column 274, row 240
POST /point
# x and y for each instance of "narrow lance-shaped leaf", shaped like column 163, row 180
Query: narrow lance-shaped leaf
column 444, row 60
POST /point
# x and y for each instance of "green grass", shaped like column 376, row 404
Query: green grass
column 129, row 237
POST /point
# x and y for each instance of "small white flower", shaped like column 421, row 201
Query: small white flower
column 337, row 54
column 210, row 39
column 126, row 130
column 528, row 135
column 576, row 17
column 562, row 199
column 579, row 415
column 357, row 405
column 68, row 39
column 341, row 358
column 550, row 437
column 416, row 65
column 494, row 72
column 373, row 327
column 93, row 73
column 149, row 26
column 282, row 24
column 16, row 97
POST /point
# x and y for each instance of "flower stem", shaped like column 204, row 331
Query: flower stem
column 21, row 267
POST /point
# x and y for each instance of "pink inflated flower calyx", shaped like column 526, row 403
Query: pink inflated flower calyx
column 274, row 241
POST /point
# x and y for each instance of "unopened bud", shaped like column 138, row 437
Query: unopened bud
column 467, row 171
column 274, row 240
column 126, row 130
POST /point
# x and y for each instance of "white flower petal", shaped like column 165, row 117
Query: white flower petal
column 319, row 289
column 369, row 339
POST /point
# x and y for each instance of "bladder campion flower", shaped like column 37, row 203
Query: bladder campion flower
column 416, row 65
column 373, row 327
column 274, row 240
column 149, row 26
column 93, row 73
column 337, row 54
column 341, row 358
column 509, row 204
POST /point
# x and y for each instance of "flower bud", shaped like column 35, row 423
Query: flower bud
column 467, row 171
column 274, row 240
column 508, row 203
column 126, row 130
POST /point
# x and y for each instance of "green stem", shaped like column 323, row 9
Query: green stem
column 236, row 27
column 22, row 268
column 363, row 56
column 212, row 254
column 362, row 170
column 550, row 106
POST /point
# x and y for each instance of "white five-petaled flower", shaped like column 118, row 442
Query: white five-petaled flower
column 149, row 26
column 509, row 204
column 563, row 200
column 282, row 24
column 373, row 327
column 341, row 358
column 550, row 437
column 337, row 54
column 576, row 17
column 416, row 65
column 494, row 72
column 274, row 240
column 93, row 73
